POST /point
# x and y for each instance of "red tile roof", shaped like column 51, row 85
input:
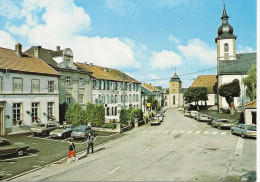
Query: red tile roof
column 150, row 87
column 26, row 63
column 208, row 81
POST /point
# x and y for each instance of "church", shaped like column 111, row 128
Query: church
column 231, row 65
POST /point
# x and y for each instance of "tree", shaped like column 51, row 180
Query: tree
column 76, row 114
column 99, row 115
column 195, row 94
column 67, row 113
column 229, row 91
column 123, row 117
column 89, row 113
column 250, row 83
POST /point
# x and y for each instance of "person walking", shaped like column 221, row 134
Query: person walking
column 91, row 139
column 71, row 150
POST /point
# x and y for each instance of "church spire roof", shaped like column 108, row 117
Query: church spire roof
column 175, row 77
column 224, row 14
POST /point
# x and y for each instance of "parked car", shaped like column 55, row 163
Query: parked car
column 159, row 116
column 62, row 131
column 193, row 114
column 210, row 120
column 81, row 132
column 221, row 123
column 7, row 147
column 187, row 114
column 43, row 129
column 180, row 109
column 244, row 130
column 202, row 117
column 155, row 121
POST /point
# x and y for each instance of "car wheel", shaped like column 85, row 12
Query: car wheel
column 219, row 127
column 232, row 132
column 20, row 152
column 35, row 134
column 243, row 135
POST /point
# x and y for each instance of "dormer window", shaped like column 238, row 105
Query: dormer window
column 67, row 62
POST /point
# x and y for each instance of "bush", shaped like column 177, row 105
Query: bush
column 76, row 114
column 109, row 125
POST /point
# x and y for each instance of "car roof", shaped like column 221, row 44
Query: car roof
column 82, row 126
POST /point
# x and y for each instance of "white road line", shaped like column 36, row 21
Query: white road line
column 189, row 132
column 214, row 133
column 114, row 170
column 206, row 132
column 239, row 146
column 174, row 131
column 151, row 131
column 197, row 132
column 165, row 136
column 144, row 131
column 223, row 133
column 148, row 148
column 182, row 131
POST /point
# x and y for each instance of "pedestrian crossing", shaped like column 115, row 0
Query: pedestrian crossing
column 175, row 131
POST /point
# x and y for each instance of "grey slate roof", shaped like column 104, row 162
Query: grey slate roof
column 175, row 78
column 237, row 67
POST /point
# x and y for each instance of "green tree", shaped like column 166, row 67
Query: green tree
column 89, row 113
column 123, row 117
column 250, row 83
column 99, row 115
column 77, row 115
column 195, row 94
column 67, row 113
column 229, row 91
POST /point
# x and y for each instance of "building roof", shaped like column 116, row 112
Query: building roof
column 26, row 63
column 150, row 87
column 104, row 73
column 251, row 104
column 237, row 67
column 208, row 81
column 175, row 78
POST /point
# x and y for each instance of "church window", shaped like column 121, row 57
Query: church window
column 226, row 47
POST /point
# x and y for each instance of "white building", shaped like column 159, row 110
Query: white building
column 28, row 90
column 231, row 65
column 107, row 87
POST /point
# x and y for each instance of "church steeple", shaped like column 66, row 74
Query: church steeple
column 175, row 77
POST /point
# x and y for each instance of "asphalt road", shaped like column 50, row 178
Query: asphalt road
column 180, row 149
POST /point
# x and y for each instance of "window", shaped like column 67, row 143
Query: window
column 134, row 98
column 115, row 111
column 81, row 98
column 35, row 111
column 81, row 82
column 102, row 84
column 115, row 98
column 226, row 47
column 67, row 63
column 50, row 86
column 1, row 84
column 99, row 99
column 108, row 111
column 68, row 81
column 50, row 110
column 103, row 99
column 17, row 112
column 107, row 98
column 35, row 86
column 130, row 98
column 226, row 56
column 112, row 99
column 18, row 85
column 67, row 99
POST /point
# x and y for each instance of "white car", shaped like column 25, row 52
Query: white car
column 194, row 114
column 159, row 116
column 155, row 121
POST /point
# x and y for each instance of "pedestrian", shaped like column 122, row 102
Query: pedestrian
column 91, row 139
column 71, row 150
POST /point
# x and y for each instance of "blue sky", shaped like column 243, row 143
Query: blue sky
column 147, row 39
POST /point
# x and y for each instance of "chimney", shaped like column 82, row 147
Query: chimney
column 57, row 48
column 105, row 69
column 18, row 50
column 37, row 51
column 91, row 64
column 85, row 63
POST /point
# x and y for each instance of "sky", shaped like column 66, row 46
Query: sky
column 147, row 39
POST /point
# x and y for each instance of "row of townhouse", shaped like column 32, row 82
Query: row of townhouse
column 35, row 83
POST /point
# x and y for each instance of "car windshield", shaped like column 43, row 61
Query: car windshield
column 250, row 127
column 62, row 127
column 41, row 125
column 79, row 129
column 203, row 115
column 223, row 121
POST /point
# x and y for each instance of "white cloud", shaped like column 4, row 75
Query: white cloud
column 8, row 9
column 198, row 50
column 165, row 59
column 174, row 39
column 6, row 40
column 242, row 49
column 49, row 26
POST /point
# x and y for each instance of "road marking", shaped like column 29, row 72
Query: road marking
column 206, row 132
column 174, row 131
column 148, row 148
column 239, row 146
column 144, row 131
column 151, row 131
column 19, row 157
column 165, row 136
column 182, row 131
column 159, row 131
column 189, row 132
column 114, row 170
column 214, row 133
column 223, row 133
column 197, row 132
column 167, row 131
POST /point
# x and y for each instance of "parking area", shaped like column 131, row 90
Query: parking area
column 43, row 150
